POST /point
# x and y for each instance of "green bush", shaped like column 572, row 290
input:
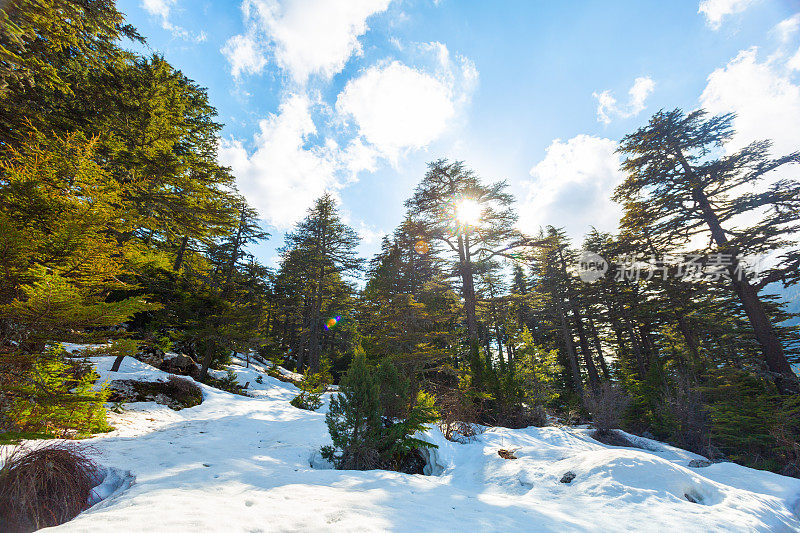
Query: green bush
column 312, row 387
column 229, row 383
column 363, row 438
column 743, row 410
column 56, row 397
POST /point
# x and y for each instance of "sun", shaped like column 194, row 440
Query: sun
column 468, row 212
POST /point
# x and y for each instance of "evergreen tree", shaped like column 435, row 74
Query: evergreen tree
column 322, row 250
column 354, row 419
column 679, row 191
column 473, row 221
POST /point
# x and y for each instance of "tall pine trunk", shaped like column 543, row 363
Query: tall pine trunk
column 771, row 346
column 468, row 288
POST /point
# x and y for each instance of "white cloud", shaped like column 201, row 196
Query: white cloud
column 244, row 55
column 794, row 61
column 161, row 9
column 765, row 95
column 607, row 104
column 283, row 175
column 397, row 108
column 788, row 27
column 158, row 8
column 716, row 10
column 572, row 187
column 307, row 37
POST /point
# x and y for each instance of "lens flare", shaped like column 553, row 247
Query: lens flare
column 331, row 322
column 422, row 247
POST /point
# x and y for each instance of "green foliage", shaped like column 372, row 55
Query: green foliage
column 354, row 419
column 311, row 287
column 539, row 371
column 312, row 387
column 743, row 411
column 56, row 397
column 397, row 435
column 362, row 438
column 228, row 383
column 115, row 348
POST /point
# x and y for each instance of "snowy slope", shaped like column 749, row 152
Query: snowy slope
column 242, row 464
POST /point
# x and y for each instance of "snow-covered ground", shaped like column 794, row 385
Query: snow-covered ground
column 240, row 463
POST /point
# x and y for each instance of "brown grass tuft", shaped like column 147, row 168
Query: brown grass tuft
column 44, row 486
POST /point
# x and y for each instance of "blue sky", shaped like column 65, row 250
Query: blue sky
column 354, row 97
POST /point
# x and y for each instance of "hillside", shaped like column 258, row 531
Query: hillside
column 238, row 463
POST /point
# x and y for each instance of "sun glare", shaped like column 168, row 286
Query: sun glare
column 468, row 212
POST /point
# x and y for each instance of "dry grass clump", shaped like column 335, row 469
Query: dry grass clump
column 44, row 486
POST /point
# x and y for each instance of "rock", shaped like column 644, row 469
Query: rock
column 506, row 454
column 568, row 477
column 151, row 355
column 176, row 393
column 690, row 498
column 699, row 463
column 180, row 364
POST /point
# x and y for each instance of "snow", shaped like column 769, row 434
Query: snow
column 237, row 463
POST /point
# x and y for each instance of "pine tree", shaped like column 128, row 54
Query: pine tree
column 679, row 191
column 354, row 419
column 322, row 248
column 488, row 232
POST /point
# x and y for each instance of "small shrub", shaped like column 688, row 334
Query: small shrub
column 687, row 421
column 362, row 437
column 45, row 486
column 260, row 380
column 606, row 405
column 458, row 414
column 229, row 383
column 186, row 390
column 312, row 387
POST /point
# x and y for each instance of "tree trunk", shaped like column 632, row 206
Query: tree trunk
column 206, row 361
column 181, row 252
column 316, row 316
column 691, row 340
column 591, row 369
column 117, row 363
column 572, row 358
column 598, row 347
column 468, row 287
column 234, row 255
column 774, row 356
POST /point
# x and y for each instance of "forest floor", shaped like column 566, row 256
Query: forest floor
column 238, row 463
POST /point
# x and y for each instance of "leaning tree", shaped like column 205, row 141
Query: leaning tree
column 683, row 188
